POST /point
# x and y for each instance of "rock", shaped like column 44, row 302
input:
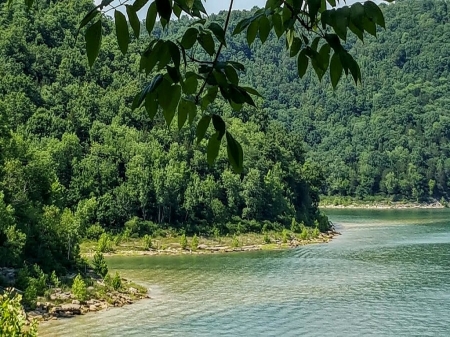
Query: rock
column 75, row 302
column 90, row 288
column 132, row 290
column 202, row 246
column 93, row 307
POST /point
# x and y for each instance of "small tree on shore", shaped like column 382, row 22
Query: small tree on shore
column 79, row 288
column 12, row 316
column 183, row 241
column 194, row 243
column 100, row 266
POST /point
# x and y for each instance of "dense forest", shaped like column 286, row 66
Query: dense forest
column 76, row 160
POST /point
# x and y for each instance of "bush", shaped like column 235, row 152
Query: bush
column 54, row 280
column 194, row 243
column 99, row 264
column 304, row 234
column 104, row 244
column 94, row 232
column 295, row 226
column 266, row 238
column 79, row 288
column 116, row 282
column 12, row 316
column 39, row 280
column 235, row 242
column 118, row 239
column 133, row 225
column 315, row 233
column 23, row 278
column 285, row 237
column 30, row 297
column 147, row 242
column 183, row 241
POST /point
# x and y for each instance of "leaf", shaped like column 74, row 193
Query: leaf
column 151, row 105
column 231, row 74
column 189, row 38
column 168, row 97
column 218, row 32
column 202, row 127
column 164, row 9
column 207, row 42
column 264, row 28
column 242, row 25
column 278, row 24
column 341, row 23
column 210, row 96
column 252, row 31
column 29, row 3
column 302, row 63
column 186, row 108
column 219, row 125
column 235, row 153
column 151, row 87
column 123, row 37
column 134, row 20
column 295, row 47
column 138, row 4
column 252, row 91
column 212, row 151
column 88, row 17
column 335, row 70
column 374, row 12
column 190, row 84
column 324, row 53
column 151, row 17
column 174, row 52
column 93, row 38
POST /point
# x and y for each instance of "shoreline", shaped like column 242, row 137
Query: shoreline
column 384, row 205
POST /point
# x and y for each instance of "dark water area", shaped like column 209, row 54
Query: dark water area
column 387, row 275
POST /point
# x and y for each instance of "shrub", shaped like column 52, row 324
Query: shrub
column 133, row 225
column 54, row 280
column 295, row 227
column 285, row 236
column 30, row 297
column 118, row 239
column 315, row 233
column 79, row 288
column 116, row 282
column 12, row 316
column 304, row 234
column 94, row 232
column 23, row 278
column 39, row 280
column 147, row 242
column 183, row 241
column 234, row 242
column 266, row 238
column 104, row 244
column 100, row 266
column 195, row 242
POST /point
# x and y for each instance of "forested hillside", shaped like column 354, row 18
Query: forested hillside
column 76, row 160
column 390, row 135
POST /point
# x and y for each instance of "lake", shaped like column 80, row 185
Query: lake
column 387, row 275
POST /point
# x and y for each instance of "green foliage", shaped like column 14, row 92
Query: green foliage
column 12, row 316
column 147, row 239
column 99, row 264
column 235, row 242
column 79, row 288
column 285, row 237
column 304, row 235
column 94, row 232
column 195, row 242
column 116, row 282
column 104, row 244
column 30, row 296
column 54, row 280
column 266, row 238
column 183, row 241
column 315, row 233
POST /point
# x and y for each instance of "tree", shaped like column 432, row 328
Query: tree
column 12, row 316
column 100, row 266
column 183, row 81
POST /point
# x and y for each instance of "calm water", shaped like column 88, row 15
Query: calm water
column 387, row 275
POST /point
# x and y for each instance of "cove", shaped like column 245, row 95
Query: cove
column 387, row 275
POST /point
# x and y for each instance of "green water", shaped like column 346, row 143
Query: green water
column 387, row 275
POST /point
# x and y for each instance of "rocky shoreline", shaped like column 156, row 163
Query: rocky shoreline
column 393, row 205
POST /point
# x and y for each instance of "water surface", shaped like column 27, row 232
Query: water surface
column 387, row 275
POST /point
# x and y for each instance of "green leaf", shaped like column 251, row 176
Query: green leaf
column 151, row 105
column 151, row 17
column 29, row 3
column 138, row 4
column 218, row 32
column 295, row 47
column 242, row 25
column 134, row 20
column 374, row 12
column 324, row 53
column 212, row 151
column 174, row 52
column 264, row 28
column 302, row 63
column 207, row 42
column 202, row 127
column 314, row 6
column 93, row 38
column 369, row 26
column 190, row 83
column 164, row 8
column 341, row 23
column 186, row 108
column 174, row 74
column 335, row 70
column 232, row 74
column 252, row 31
column 150, row 88
column 169, row 97
column 252, row 91
column 278, row 24
column 219, row 125
column 189, row 38
column 123, row 37
column 235, row 153
column 210, row 96
column 88, row 17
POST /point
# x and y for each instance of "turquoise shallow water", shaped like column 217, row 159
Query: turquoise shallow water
column 387, row 275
